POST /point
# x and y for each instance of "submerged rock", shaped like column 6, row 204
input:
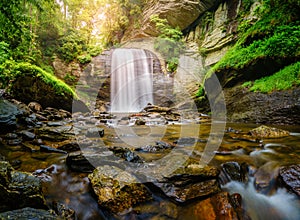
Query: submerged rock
column 116, row 189
column 268, row 132
column 290, row 177
column 126, row 154
column 19, row 189
column 76, row 161
column 28, row 213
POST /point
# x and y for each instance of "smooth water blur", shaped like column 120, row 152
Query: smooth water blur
column 279, row 206
column 131, row 80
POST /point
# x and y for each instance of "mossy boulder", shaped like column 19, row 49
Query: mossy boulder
column 28, row 83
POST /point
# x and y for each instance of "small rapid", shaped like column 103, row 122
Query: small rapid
column 281, row 205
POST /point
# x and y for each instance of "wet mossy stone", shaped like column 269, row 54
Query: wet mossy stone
column 19, row 189
column 116, row 189
column 31, row 83
column 268, row 132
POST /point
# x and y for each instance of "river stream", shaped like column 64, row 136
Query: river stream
column 262, row 197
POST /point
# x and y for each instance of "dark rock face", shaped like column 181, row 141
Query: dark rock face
column 8, row 116
column 290, row 177
column 117, row 190
column 189, row 183
column 280, row 107
column 28, row 213
column 19, row 189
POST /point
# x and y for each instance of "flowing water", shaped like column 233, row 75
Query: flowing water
column 131, row 80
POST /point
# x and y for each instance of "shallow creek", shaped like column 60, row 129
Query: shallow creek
column 265, row 157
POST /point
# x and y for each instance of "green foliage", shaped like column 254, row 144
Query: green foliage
column 282, row 80
column 85, row 58
column 275, row 35
column 247, row 84
column 169, row 43
column 247, row 4
column 71, row 46
column 10, row 70
column 4, row 52
column 200, row 92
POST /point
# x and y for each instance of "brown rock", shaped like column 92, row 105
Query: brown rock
column 268, row 132
column 117, row 190
column 216, row 207
column 290, row 177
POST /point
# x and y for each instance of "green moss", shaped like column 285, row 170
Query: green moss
column 11, row 70
column 282, row 80
column 275, row 35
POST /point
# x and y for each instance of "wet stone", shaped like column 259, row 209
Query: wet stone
column 216, row 207
column 11, row 136
column 36, row 107
column 190, row 182
column 159, row 146
column 126, row 154
column 268, row 132
column 70, row 146
column 64, row 211
column 140, row 121
column 45, row 148
column 30, row 147
column 28, row 213
column 21, row 187
column 55, row 123
column 76, row 161
column 290, row 177
column 116, row 189
column 233, row 171
column 14, row 142
column 95, row 132
column 27, row 135
column 8, row 116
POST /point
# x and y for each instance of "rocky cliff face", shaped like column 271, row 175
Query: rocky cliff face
column 179, row 13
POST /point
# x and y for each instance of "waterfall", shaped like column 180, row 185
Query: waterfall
column 131, row 80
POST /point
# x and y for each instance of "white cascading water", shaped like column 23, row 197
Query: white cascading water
column 131, row 80
column 279, row 206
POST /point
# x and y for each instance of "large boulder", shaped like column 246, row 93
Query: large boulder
column 30, row 88
column 116, row 189
column 19, row 189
